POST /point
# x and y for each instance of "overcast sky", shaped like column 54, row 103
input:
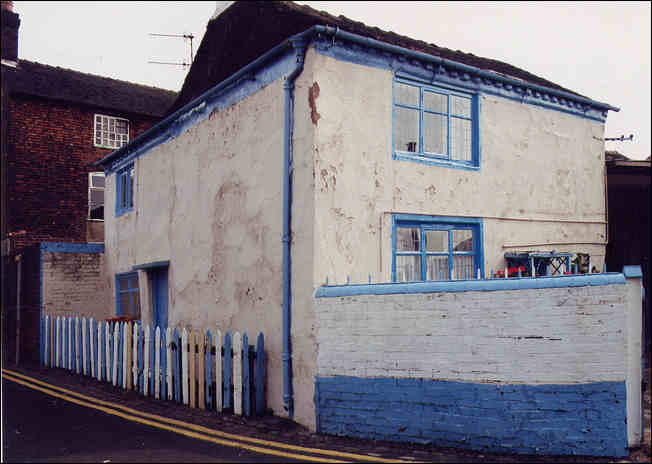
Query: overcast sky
column 600, row 50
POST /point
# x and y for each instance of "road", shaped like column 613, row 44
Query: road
column 42, row 428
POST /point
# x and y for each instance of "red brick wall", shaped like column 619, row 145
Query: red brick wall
column 50, row 153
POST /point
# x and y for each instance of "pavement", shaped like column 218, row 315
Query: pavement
column 286, row 434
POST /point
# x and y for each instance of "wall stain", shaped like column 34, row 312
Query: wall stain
column 313, row 94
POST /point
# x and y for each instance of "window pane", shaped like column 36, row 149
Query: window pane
column 123, row 189
column 133, row 282
column 406, row 94
column 435, row 102
column 136, row 305
column 437, row 240
column 408, row 268
column 123, row 284
column 97, row 181
column 460, row 139
column 436, row 267
column 434, row 134
column 406, row 129
column 407, row 239
column 462, row 240
column 461, row 106
column 131, row 187
column 463, row 267
column 97, row 198
column 124, row 304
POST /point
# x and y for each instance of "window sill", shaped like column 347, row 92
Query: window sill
column 417, row 158
column 123, row 211
column 94, row 220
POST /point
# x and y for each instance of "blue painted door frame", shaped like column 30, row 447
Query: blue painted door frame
column 160, row 296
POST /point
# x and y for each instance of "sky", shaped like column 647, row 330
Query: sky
column 600, row 50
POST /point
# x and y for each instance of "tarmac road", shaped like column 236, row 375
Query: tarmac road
column 41, row 428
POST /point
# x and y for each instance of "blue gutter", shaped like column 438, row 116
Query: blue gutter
column 299, row 46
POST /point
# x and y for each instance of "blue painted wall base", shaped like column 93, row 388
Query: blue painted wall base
column 582, row 419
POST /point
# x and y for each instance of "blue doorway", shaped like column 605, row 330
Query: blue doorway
column 160, row 297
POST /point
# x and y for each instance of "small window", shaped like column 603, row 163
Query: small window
column 124, row 201
column 111, row 132
column 434, row 248
column 435, row 125
column 127, row 295
column 96, row 195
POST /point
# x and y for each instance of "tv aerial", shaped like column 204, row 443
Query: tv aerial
column 185, row 37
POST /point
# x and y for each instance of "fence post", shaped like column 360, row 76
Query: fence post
column 246, row 395
column 201, row 372
column 126, row 356
column 237, row 374
column 168, row 356
column 152, row 348
column 260, row 374
column 134, row 356
column 146, row 351
column 141, row 358
column 219, row 388
column 157, row 363
column 191, row 367
column 184, row 364
column 208, row 362
column 120, row 353
column 91, row 343
column 57, row 342
column 100, row 350
column 227, row 370
column 177, row 373
column 163, row 378
column 114, row 359
column 107, row 347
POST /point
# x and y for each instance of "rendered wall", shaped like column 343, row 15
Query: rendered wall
column 73, row 281
column 210, row 202
column 541, row 370
column 540, row 185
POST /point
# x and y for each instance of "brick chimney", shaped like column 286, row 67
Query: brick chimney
column 10, row 25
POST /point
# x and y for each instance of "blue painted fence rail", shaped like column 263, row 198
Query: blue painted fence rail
column 125, row 353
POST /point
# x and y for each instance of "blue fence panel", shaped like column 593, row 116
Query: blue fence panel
column 177, row 373
column 246, row 400
column 228, row 362
column 209, row 370
column 260, row 374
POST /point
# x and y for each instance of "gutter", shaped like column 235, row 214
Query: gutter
column 299, row 45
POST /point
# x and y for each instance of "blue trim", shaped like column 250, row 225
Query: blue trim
column 632, row 272
column 524, row 283
column 420, row 155
column 475, row 224
column 583, row 419
column 65, row 247
column 361, row 50
column 155, row 264
column 124, row 204
column 118, row 301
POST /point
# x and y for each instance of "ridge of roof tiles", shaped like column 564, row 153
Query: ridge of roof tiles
column 283, row 19
column 63, row 84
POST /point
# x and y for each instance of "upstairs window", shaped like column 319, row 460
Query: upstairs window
column 111, row 132
column 435, row 125
column 96, row 195
column 127, row 295
column 435, row 248
column 124, row 200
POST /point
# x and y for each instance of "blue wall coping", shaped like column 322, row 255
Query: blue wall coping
column 64, row 247
column 488, row 285
column 632, row 271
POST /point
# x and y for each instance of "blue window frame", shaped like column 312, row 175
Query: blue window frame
column 124, row 189
column 127, row 295
column 436, row 248
column 435, row 125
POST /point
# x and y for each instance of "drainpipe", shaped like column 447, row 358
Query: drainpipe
column 299, row 46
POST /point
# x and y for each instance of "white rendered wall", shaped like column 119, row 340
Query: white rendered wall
column 535, row 336
column 210, row 202
column 540, row 185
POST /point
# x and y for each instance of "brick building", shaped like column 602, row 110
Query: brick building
column 55, row 124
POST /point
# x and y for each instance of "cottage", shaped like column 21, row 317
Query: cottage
column 307, row 149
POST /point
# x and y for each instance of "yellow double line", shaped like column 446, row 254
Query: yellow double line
column 191, row 430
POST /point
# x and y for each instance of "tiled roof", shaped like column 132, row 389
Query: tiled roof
column 246, row 30
column 36, row 79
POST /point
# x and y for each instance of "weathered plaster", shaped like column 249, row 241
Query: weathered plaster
column 540, row 180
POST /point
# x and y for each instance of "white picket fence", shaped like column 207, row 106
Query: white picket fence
column 199, row 369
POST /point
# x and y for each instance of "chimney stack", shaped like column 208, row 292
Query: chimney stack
column 10, row 25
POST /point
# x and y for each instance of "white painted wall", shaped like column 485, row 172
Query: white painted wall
column 552, row 335
column 540, row 185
